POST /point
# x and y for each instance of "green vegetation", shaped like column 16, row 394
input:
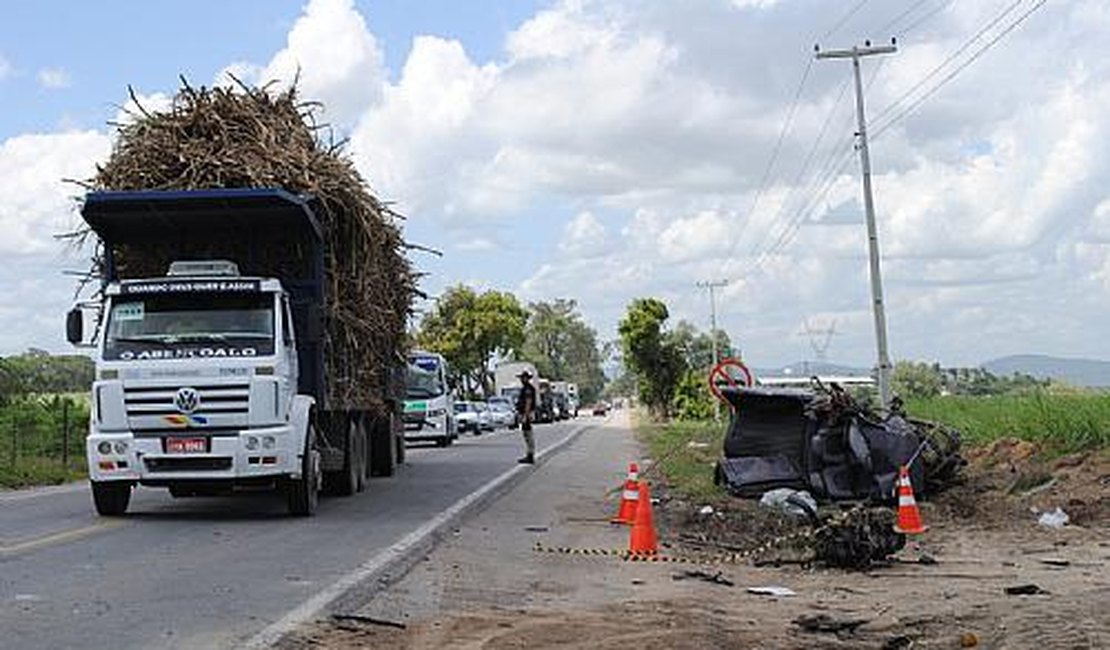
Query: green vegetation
column 686, row 452
column 471, row 329
column 34, row 432
column 468, row 328
column 1059, row 423
column 670, row 367
column 563, row 347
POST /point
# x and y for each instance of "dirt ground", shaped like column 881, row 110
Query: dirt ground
column 946, row 589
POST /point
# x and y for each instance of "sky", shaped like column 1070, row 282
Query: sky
column 604, row 151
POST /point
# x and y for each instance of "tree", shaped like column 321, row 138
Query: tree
column 917, row 379
column 469, row 328
column 656, row 359
column 563, row 347
column 697, row 347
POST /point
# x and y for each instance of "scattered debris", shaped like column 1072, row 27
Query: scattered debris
column 715, row 578
column 1056, row 519
column 536, row 529
column 795, row 503
column 969, row 640
column 828, row 624
column 694, row 444
column 1025, row 590
column 897, row 642
column 368, row 620
column 1055, row 561
column 706, row 510
column 859, row 538
column 772, row 591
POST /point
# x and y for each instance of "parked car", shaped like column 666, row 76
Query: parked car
column 601, row 408
column 467, row 417
column 504, row 415
column 485, row 417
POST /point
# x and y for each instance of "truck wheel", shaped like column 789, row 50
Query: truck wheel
column 363, row 455
column 400, row 445
column 111, row 498
column 383, row 448
column 344, row 482
column 303, row 493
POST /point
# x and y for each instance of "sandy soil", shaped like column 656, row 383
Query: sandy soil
column 487, row 589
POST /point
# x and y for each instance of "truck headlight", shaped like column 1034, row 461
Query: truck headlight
column 104, row 447
column 251, row 443
column 120, row 447
column 268, row 442
column 437, row 413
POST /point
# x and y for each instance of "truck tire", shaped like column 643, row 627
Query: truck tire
column 344, row 482
column 363, row 455
column 383, row 448
column 400, row 445
column 303, row 493
column 111, row 498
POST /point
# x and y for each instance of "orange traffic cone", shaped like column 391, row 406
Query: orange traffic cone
column 643, row 541
column 909, row 517
column 629, row 497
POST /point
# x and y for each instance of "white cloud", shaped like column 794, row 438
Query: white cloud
column 584, row 236
column 38, row 203
column 53, row 78
column 336, row 58
column 6, row 68
column 477, row 245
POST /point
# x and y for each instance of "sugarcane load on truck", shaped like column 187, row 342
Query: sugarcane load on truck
column 250, row 320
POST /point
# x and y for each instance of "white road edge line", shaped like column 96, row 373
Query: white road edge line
column 380, row 568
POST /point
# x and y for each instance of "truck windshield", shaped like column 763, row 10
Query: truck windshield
column 187, row 325
column 422, row 384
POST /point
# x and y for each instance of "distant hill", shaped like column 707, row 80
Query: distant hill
column 804, row 369
column 1081, row 372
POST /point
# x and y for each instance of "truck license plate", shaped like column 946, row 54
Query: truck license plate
column 186, row 445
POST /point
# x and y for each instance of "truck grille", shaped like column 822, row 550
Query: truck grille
column 188, row 464
column 159, row 400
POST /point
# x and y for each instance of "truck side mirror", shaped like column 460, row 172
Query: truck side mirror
column 75, row 326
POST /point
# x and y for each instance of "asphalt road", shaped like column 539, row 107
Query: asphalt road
column 211, row 572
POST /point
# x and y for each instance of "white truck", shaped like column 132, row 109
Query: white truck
column 429, row 406
column 208, row 380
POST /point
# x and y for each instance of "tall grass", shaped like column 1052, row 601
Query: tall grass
column 1059, row 423
column 685, row 452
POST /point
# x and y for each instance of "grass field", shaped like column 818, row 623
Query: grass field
column 1060, row 424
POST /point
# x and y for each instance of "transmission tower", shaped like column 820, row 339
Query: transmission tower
column 819, row 339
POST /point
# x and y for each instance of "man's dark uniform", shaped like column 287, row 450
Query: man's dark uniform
column 526, row 407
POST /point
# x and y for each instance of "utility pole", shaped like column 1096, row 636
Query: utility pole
column 855, row 54
column 712, row 286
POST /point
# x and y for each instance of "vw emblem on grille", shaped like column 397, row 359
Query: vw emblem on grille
column 187, row 399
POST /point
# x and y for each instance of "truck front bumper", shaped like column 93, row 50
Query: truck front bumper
column 251, row 454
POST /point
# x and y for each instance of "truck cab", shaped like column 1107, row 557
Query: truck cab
column 196, row 385
column 429, row 412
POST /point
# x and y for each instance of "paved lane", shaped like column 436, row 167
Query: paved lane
column 208, row 572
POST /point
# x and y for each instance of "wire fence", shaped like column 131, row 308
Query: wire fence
column 42, row 439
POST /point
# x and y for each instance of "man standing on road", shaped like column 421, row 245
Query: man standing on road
column 526, row 406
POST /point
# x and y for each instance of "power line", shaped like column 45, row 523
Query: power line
column 951, row 57
column 843, row 19
column 787, row 123
column 925, row 18
column 974, row 57
column 815, row 190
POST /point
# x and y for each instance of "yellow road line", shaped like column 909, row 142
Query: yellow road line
column 60, row 537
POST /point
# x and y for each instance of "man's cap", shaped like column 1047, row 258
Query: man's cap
column 524, row 374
